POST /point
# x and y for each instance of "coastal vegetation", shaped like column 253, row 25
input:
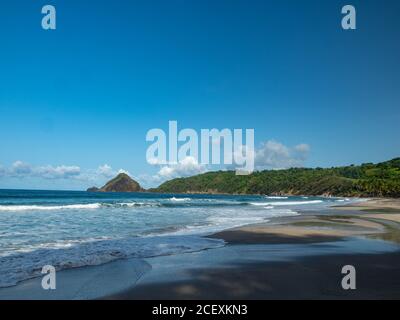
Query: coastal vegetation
column 366, row 180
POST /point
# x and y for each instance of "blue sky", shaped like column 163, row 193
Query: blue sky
column 85, row 95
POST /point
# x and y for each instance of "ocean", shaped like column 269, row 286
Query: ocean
column 70, row 229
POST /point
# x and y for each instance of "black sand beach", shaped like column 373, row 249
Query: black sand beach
column 298, row 257
column 319, row 277
column 301, row 274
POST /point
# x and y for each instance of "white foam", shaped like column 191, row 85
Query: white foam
column 49, row 208
column 179, row 199
column 138, row 204
column 286, row 203
column 101, row 244
column 22, row 266
column 275, row 197
column 227, row 219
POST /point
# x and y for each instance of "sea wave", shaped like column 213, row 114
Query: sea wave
column 286, row 203
column 41, row 207
column 101, row 228
column 275, row 197
column 170, row 203
column 179, row 199
column 22, row 266
column 342, row 200
column 134, row 204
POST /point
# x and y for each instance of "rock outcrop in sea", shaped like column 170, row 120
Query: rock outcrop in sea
column 121, row 183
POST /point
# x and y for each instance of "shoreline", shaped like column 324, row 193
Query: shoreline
column 313, row 243
column 354, row 227
column 333, row 223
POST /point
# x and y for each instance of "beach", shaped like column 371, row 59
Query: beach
column 199, row 150
column 295, row 253
column 292, row 258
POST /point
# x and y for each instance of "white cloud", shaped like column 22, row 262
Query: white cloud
column 271, row 155
column 304, row 148
column 186, row 167
column 59, row 172
column 149, row 181
column 2, row 171
column 101, row 174
column 123, row 171
column 20, row 169
column 155, row 161
column 275, row 155
column 106, row 171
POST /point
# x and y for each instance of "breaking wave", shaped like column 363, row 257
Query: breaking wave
column 172, row 202
column 286, row 203
column 90, row 206
column 26, row 265
column 275, row 197
column 173, row 199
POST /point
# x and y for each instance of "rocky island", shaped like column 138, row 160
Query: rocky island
column 121, row 183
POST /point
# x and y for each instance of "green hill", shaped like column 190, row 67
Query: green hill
column 366, row 180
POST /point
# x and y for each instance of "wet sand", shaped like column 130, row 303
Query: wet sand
column 316, row 276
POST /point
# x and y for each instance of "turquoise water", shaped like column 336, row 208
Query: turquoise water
column 75, row 229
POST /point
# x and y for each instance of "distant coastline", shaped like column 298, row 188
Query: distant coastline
column 381, row 180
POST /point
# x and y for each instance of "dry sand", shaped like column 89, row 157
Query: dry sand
column 372, row 204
